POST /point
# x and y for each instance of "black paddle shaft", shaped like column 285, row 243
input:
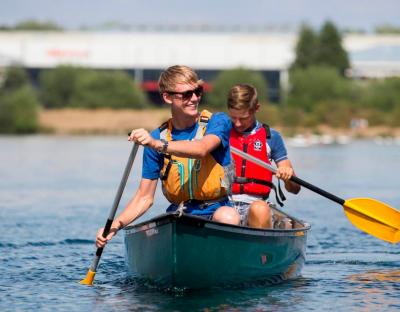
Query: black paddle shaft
column 114, row 208
column 293, row 178
column 316, row 189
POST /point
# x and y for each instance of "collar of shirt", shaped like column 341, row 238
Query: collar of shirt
column 253, row 129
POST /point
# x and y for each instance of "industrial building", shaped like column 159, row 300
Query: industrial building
column 145, row 53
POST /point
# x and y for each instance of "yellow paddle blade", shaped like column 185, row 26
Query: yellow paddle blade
column 376, row 210
column 374, row 217
column 88, row 280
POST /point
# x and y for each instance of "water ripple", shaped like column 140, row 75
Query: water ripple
column 48, row 243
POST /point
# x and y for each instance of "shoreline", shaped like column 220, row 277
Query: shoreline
column 79, row 121
column 99, row 121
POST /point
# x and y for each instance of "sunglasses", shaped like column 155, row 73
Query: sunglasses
column 187, row 95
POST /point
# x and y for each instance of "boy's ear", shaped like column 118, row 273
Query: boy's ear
column 166, row 97
column 257, row 107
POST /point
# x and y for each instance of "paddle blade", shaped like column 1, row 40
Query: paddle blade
column 374, row 217
column 88, row 280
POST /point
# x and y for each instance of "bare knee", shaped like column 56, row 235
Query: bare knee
column 260, row 215
column 226, row 214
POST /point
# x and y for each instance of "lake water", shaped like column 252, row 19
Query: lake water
column 55, row 192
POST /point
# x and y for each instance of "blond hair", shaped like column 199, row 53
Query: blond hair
column 177, row 74
column 242, row 96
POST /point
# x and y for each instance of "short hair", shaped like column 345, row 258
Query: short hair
column 242, row 96
column 176, row 74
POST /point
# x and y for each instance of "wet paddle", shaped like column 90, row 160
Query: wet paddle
column 88, row 280
column 369, row 215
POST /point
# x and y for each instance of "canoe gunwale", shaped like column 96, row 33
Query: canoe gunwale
column 202, row 222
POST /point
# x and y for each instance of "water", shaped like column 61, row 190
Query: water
column 55, row 192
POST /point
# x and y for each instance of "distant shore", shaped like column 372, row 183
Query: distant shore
column 99, row 121
column 109, row 121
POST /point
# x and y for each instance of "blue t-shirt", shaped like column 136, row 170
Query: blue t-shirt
column 278, row 149
column 219, row 125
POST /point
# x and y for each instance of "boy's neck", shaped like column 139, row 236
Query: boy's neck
column 184, row 122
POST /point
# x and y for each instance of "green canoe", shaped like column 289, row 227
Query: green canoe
column 192, row 252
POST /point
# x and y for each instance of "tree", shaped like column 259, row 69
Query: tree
column 16, row 77
column 383, row 95
column 95, row 89
column 59, row 85
column 330, row 51
column 37, row 26
column 226, row 79
column 387, row 29
column 316, row 84
column 19, row 111
column 18, row 103
column 306, row 48
column 322, row 49
column 68, row 86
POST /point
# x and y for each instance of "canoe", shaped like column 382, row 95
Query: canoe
column 191, row 252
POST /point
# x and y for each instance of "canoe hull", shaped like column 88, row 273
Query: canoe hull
column 190, row 252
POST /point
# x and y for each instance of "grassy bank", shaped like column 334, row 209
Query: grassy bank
column 109, row 121
column 99, row 121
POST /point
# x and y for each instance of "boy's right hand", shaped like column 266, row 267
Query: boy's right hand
column 102, row 241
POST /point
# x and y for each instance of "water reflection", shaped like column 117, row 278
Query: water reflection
column 374, row 276
column 130, row 294
column 375, row 289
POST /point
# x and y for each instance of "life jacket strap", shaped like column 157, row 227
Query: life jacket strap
column 279, row 195
column 164, row 176
column 202, row 122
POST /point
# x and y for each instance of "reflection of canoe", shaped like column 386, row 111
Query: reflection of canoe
column 191, row 252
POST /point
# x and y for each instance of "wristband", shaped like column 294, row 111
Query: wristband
column 163, row 149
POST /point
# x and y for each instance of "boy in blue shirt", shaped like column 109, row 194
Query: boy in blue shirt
column 253, row 183
column 189, row 153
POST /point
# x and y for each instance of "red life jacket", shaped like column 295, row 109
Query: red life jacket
column 251, row 178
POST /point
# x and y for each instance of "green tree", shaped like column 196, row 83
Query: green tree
column 68, row 86
column 323, row 48
column 330, row 51
column 292, row 117
column 383, row 95
column 57, row 86
column 96, row 89
column 316, row 84
column 387, row 29
column 226, row 79
column 37, row 26
column 306, row 48
column 16, row 77
column 334, row 113
column 19, row 111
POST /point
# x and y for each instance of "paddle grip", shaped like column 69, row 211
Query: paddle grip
column 316, row 189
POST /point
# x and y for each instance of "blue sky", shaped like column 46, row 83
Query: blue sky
column 355, row 14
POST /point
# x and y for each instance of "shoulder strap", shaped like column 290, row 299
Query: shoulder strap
column 267, row 130
column 203, row 121
column 164, row 130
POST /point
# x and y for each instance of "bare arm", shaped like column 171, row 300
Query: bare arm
column 191, row 149
column 136, row 207
column 285, row 172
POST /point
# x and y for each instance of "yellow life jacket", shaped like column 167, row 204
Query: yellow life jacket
column 186, row 178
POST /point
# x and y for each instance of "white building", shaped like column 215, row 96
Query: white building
column 145, row 54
